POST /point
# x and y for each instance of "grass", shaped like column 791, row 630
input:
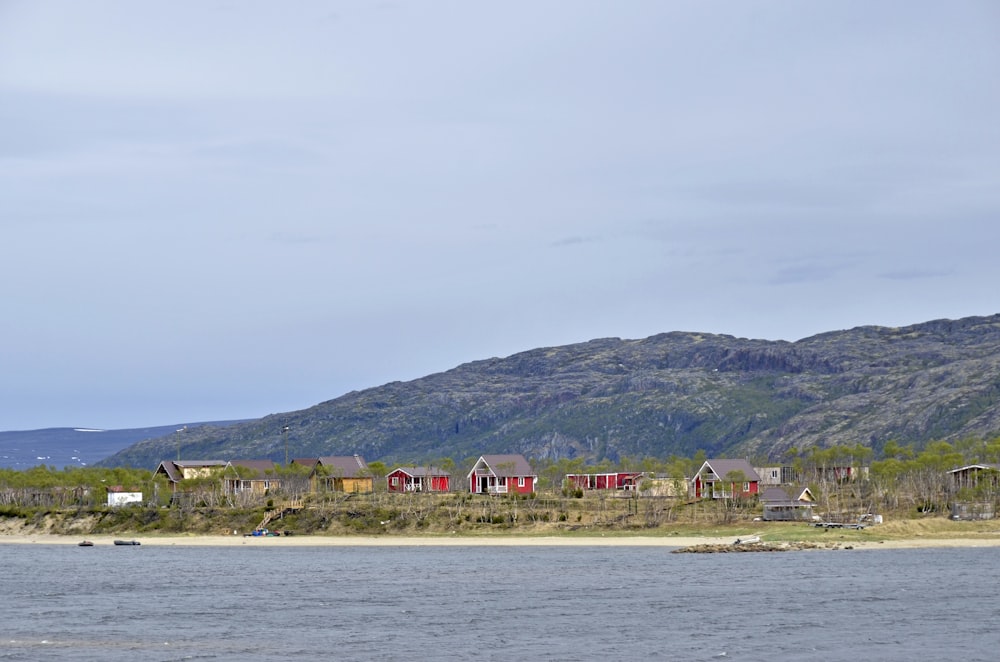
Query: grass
column 486, row 518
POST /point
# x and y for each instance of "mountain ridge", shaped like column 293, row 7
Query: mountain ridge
column 671, row 393
column 62, row 447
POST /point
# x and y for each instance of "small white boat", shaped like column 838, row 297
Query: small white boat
column 747, row 539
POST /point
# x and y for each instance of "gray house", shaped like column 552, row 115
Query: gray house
column 787, row 504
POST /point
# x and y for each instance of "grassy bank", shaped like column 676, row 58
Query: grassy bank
column 465, row 515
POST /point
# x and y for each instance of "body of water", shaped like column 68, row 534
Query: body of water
column 495, row 603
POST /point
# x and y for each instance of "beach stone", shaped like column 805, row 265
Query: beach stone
column 733, row 548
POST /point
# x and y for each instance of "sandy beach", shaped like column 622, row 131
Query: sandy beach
column 464, row 541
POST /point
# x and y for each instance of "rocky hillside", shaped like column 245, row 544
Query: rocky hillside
column 673, row 393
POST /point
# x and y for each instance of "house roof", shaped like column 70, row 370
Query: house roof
column 174, row 469
column 505, row 465
column 345, row 466
column 969, row 467
column 787, row 496
column 610, row 473
column 251, row 468
column 421, row 472
column 721, row 467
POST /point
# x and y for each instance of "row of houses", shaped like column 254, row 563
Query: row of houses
column 492, row 474
column 718, row 479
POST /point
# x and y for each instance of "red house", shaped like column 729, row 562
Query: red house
column 418, row 479
column 711, row 480
column 620, row 480
column 502, row 474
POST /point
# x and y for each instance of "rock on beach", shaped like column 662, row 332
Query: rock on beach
column 756, row 547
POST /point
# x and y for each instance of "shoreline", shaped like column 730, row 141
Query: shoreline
column 462, row 541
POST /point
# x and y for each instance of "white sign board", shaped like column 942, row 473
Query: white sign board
column 122, row 498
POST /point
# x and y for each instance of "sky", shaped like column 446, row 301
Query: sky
column 223, row 210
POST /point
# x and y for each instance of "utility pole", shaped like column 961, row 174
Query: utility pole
column 284, row 432
column 180, row 432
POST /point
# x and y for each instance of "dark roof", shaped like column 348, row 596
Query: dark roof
column 507, row 465
column 421, row 471
column 345, row 466
column 256, row 468
column 612, row 473
column 721, row 467
column 786, row 496
column 309, row 462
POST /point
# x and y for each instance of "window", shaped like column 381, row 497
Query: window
column 520, row 481
column 394, row 481
column 746, row 487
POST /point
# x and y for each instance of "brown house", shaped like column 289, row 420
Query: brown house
column 255, row 477
column 176, row 471
column 783, row 504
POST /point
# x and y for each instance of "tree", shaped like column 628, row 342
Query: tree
column 735, row 496
column 378, row 471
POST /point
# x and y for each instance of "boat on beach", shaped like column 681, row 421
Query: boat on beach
column 746, row 540
column 127, row 542
column 85, row 543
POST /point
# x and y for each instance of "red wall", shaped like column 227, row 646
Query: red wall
column 702, row 489
column 401, row 484
column 431, row 484
column 529, row 485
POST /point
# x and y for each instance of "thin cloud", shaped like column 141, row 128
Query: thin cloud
column 916, row 274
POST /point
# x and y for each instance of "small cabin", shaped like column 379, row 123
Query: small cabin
column 418, row 479
column 339, row 473
column 786, row 504
column 725, row 479
column 502, row 474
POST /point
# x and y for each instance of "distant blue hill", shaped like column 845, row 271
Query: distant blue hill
column 63, row 447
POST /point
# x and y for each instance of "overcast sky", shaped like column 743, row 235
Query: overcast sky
column 221, row 210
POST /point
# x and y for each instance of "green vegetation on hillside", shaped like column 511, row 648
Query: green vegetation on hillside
column 670, row 394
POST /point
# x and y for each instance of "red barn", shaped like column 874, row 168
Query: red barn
column 502, row 474
column 418, row 479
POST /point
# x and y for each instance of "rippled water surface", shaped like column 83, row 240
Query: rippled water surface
column 495, row 603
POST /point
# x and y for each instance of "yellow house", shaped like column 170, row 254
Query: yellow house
column 339, row 473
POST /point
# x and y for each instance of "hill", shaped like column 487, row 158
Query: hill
column 64, row 447
column 673, row 393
